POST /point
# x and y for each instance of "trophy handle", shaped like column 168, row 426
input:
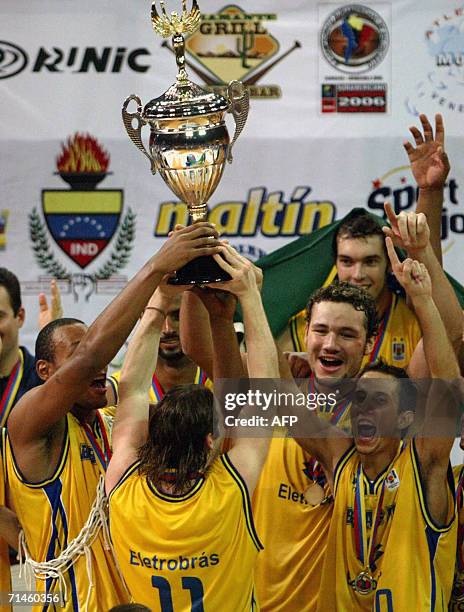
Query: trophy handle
column 135, row 134
column 239, row 105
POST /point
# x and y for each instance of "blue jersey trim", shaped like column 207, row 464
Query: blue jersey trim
column 246, row 501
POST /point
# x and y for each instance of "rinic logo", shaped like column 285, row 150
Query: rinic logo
column 82, row 220
column 354, row 39
column 12, row 59
column 233, row 44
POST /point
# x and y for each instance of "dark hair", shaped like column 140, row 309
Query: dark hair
column 408, row 388
column 44, row 345
column 344, row 293
column 176, row 435
column 10, row 282
column 131, row 607
column 359, row 224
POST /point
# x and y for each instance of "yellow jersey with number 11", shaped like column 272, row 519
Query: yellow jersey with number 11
column 189, row 552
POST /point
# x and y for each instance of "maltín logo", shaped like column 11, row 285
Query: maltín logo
column 235, row 45
column 82, row 220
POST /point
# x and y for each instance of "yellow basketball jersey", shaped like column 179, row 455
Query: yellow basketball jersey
column 408, row 561
column 294, row 532
column 53, row 512
column 293, row 524
column 5, row 577
column 156, row 392
column 187, row 553
column 457, row 596
column 399, row 334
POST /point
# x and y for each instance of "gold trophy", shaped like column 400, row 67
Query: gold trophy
column 189, row 142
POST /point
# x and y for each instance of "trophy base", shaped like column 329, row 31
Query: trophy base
column 200, row 271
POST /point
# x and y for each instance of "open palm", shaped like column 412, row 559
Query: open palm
column 429, row 162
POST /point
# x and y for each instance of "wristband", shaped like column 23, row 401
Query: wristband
column 165, row 314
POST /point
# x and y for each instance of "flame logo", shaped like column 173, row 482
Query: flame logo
column 82, row 153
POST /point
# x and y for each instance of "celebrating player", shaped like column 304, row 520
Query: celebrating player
column 59, row 443
column 381, row 483
column 192, row 544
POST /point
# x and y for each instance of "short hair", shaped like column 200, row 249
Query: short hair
column 408, row 388
column 359, row 224
column 177, row 430
column 344, row 293
column 44, row 344
column 10, row 282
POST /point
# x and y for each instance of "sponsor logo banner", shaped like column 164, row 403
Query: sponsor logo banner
column 355, row 58
column 443, row 80
column 269, row 214
column 81, row 221
column 397, row 186
column 76, row 60
column 233, row 44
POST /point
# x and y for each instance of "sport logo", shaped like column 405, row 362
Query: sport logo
column 12, row 59
column 354, row 39
column 234, row 45
column 398, row 187
column 82, row 220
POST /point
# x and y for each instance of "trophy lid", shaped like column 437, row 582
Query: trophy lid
column 184, row 99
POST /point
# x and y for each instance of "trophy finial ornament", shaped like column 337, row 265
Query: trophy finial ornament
column 189, row 143
column 176, row 26
column 167, row 26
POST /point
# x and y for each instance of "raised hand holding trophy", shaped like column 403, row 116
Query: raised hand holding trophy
column 189, row 142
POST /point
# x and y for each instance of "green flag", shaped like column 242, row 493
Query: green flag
column 293, row 272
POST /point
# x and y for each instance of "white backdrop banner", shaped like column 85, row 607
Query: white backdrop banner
column 334, row 88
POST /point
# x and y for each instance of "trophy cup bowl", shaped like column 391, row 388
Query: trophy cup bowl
column 189, row 142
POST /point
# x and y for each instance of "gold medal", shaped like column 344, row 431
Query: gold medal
column 364, row 583
column 314, row 494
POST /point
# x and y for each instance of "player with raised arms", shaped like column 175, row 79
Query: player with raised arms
column 58, row 444
column 392, row 536
column 191, row 543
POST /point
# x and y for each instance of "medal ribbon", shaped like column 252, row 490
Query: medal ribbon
column 200, row 379
column 381, row 333
column 365, row 551
column 11, row 389
column 102, row 454
column 157, row 388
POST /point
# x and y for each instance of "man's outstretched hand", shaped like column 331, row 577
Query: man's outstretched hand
column 429, row 162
